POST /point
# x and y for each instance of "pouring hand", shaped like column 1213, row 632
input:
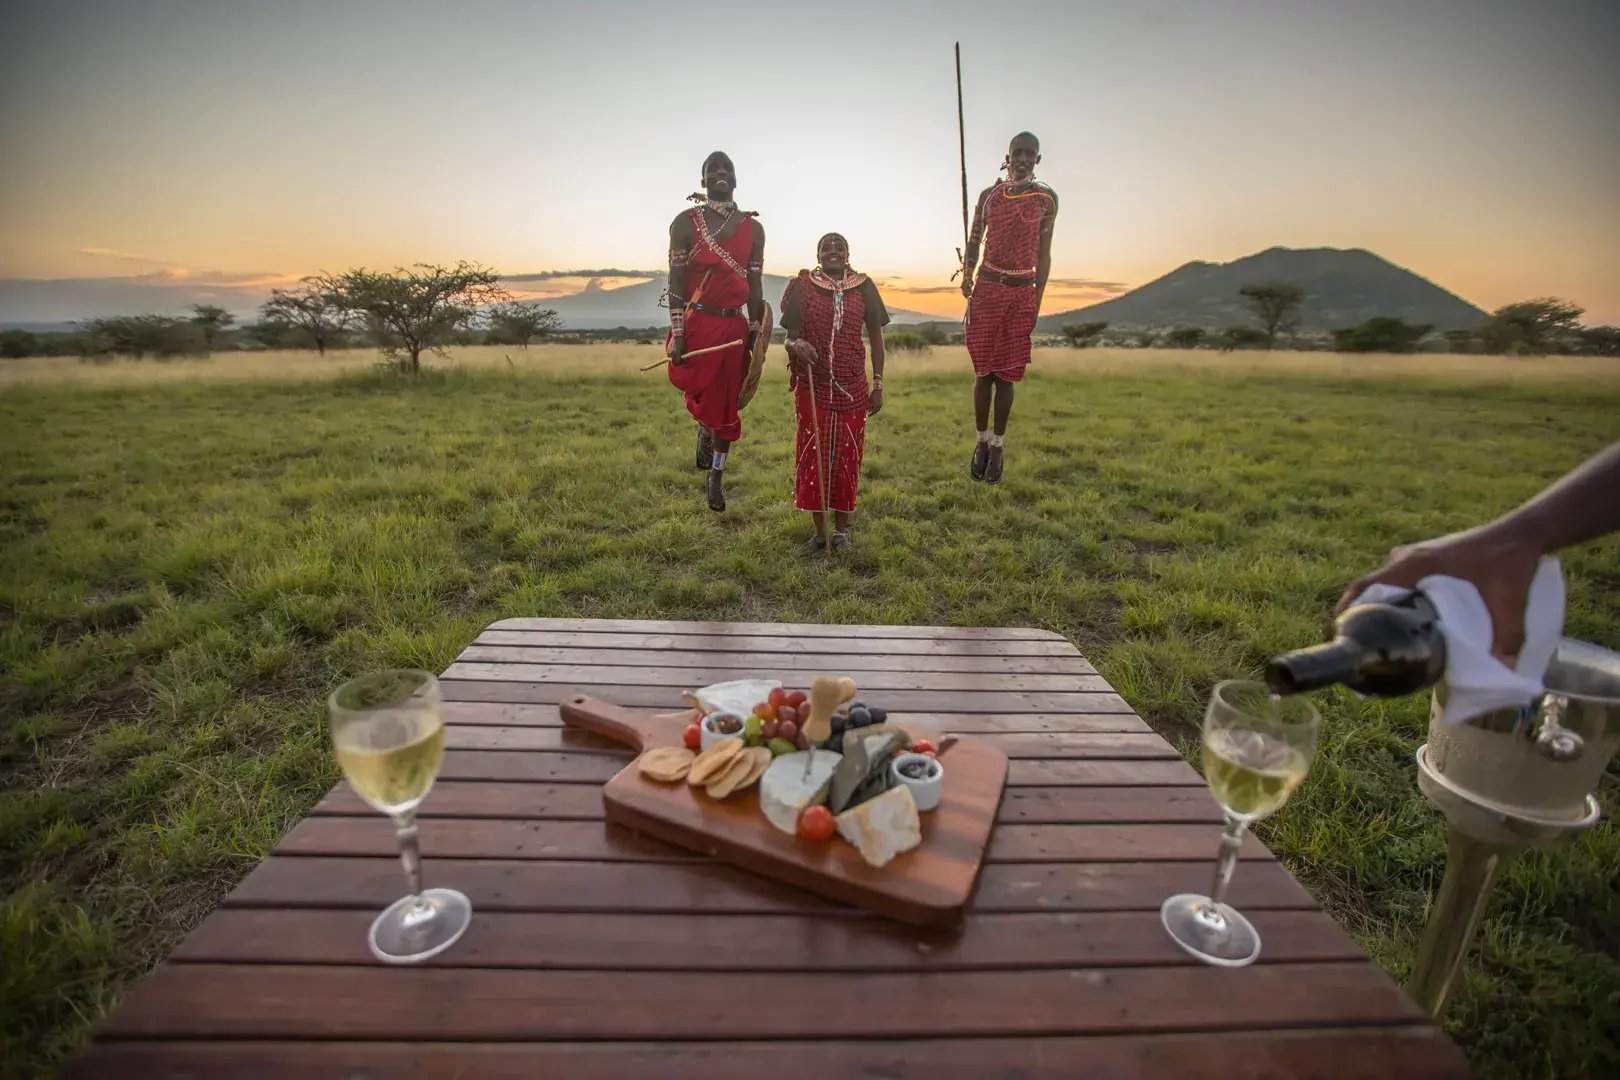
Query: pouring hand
column 1498, row 561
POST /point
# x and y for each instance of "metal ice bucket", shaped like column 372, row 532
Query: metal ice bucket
column 1534, row 767
column 1505, row 781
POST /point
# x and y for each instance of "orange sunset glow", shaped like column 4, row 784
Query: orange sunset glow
column 1449, row 138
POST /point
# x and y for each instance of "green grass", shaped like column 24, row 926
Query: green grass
column 188, row 567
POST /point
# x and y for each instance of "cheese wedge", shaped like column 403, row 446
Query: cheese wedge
column 883, row 827
column 785, row 789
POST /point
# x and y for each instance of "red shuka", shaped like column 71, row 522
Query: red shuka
column 713, row 382
column 832, row 435
column 1000, row 317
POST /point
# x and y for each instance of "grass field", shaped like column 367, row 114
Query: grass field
column 193, row 554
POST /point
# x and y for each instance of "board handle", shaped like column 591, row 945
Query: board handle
column 636, row 730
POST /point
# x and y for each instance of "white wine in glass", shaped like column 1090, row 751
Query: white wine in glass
column 389, row 740
column 1257, row 749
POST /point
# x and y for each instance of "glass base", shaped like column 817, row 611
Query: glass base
column 1215, row 933
column 414, row 928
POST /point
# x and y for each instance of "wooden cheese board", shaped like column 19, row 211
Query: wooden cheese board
column 927, row 886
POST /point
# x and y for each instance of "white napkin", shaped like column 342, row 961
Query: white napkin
column 1478, row 682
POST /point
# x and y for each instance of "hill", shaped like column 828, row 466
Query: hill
column 595, row 308
column 1342, row 288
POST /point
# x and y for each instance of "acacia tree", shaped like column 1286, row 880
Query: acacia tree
column 519, row 323
column 316, row 306
column 1275, row 305
column 211, row 321
column 1083, row 335
column 421, row 309
column 1184, row 337
column 1533, row 326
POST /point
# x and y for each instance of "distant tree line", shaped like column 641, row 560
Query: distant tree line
column 1546, row 326
column 403, row 313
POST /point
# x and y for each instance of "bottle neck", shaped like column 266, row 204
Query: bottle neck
column 1314, row 667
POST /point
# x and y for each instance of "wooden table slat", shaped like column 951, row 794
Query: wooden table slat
column 651, row 645
column 742, row 629
column 1408, row 1051
column 489, row 838
column 754, row 942
column 500, row 714
column 1044, row 745
column 597, row 767
column 258, row 1000
column 873, row 684
column 372, row 882
column 583, row 802
column 753, row 665
column 669, row 697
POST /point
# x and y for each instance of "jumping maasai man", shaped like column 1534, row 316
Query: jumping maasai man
column 716, row 255
column 1013, row 223
column 824, row 311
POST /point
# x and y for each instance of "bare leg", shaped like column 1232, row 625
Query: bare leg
column 715, row 488
column 981, row 401
column 1004, row 400
column 821, row 525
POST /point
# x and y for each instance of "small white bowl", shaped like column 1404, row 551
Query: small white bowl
column 924, row 792
column 707, row 736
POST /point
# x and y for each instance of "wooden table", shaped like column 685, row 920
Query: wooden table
column 594, row 952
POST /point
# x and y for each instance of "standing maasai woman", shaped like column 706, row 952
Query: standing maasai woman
column 824, row 311
column 716, row 255
column 1014, row 224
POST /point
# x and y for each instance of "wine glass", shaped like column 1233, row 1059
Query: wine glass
column 1257, row 749
column 389, row 740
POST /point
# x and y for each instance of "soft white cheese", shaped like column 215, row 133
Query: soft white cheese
column 883, row 827
column 786, row 789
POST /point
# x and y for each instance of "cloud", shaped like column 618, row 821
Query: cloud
column 552, row 275
column 124, row 256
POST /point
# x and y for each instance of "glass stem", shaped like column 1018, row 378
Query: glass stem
column 410, row 856
column 1231, row 841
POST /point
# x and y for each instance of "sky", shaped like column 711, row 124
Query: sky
column 236, row 145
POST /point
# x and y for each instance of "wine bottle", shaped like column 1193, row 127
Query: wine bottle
column 1380, row 650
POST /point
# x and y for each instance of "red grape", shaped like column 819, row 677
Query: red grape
column 788, row 714
column 768, row 731
column 787, row 729
column 802, row 742
column 764, row 711
column 778, row 696
column 797, row 698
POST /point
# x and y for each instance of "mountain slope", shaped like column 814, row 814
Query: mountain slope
column 637, row 305
column 1342, row 288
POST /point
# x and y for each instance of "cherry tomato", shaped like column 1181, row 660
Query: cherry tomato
column 923, row 746
column 816, row 825
column 797, row 699
column 693, row 737
column 778, row 698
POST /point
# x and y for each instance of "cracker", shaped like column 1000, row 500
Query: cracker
column 749, row 766
column 666, row 764
column 714, row 761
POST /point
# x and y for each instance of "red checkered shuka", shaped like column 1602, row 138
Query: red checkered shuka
column 1000, row 318
column 832, row 436
column 841, row 437
column 838, row 375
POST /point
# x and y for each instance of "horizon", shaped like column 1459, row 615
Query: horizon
column 160, row 154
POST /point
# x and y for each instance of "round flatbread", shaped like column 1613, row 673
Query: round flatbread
column 666, row 764
column 714, row 761
column 748, row 768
